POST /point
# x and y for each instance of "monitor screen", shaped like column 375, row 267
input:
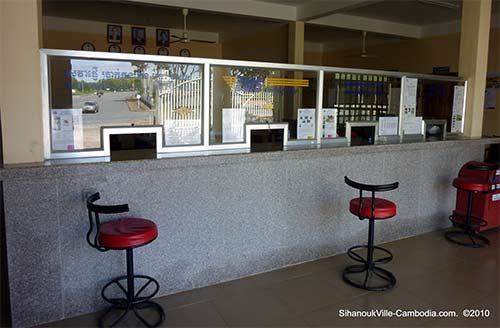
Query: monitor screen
column 266, row 140
column 132, row 146
column 362, row 135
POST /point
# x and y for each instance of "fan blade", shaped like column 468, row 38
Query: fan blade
column 202, row 41
column 175, row 41
column 175, row 36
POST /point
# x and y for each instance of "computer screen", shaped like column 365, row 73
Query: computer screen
column 132, row 146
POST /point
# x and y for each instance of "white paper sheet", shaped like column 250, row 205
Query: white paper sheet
column 413, row 125
column 458, row 109
column 306, row 122
column 233, row 125
column 329, row 123
column 67, row 129
column 388, row 126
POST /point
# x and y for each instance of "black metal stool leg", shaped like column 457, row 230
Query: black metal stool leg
column 467, row 230
column 369, row 267
column 133, row 301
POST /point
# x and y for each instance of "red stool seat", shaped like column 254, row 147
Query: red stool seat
column 470, row 184
column 384, row 209
column 127, row 232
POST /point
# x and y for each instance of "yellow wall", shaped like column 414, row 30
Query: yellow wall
column 269, row 46
column 73, row 41
column 20, row 81
column 491, row 118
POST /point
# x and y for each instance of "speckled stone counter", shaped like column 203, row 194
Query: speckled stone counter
column 219, row 217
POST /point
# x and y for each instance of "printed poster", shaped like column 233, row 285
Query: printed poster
column 67, row 129
column 409, row 97
column 329, row 123
column 233, row 125
column 306, row 123
column 458, row 109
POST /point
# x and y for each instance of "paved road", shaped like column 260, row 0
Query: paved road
column 113, row 109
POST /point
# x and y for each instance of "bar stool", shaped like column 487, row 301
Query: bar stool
column 477, row 180
column 124, row 234
column 370, row 208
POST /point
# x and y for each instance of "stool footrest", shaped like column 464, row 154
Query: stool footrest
column 459, row 220
column 138, row 297
column 369, row 271
column 358, row 258
column 108, row 320
column 468, row 238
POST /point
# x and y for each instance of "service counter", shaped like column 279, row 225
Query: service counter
column 219, row 217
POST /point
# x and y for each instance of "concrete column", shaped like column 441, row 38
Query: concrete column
column 20, row 81
column 296, row 43
column 473, row 62
column 295, row 56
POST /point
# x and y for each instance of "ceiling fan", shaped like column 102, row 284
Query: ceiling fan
column 185, row 38
column 364, row 53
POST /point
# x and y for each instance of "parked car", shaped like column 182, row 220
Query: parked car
column 90, row 107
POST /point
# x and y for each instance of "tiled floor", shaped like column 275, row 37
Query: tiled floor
column 432, row 274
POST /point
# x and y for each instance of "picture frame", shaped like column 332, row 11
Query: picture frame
column 115, row 33
column 162, row 37
column 138, row 35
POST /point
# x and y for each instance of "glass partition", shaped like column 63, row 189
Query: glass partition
column 244, row 95
column 89, row 94
column 200, row 104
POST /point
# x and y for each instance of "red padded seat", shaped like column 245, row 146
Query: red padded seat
column 471, row 184
column 384, row 209
column 127, row 232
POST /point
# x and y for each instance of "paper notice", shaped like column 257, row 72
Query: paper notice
column 306, row 123
column 388, row 126
column 329, row 123
column 458, row 109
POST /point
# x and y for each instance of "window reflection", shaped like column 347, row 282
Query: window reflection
column 87, row 95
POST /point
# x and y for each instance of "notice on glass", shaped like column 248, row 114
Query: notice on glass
column 388, row 126
column 329, row 123
column 67, row 129
column 409, row 97
column 233, row 125
column 413, row 125
column 306, row 123
column 458, row 109
column 182, row 132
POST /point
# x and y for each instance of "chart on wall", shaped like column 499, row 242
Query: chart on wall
column 306, row 123
column 67, row 129
column 329, row 123
column 233, row 124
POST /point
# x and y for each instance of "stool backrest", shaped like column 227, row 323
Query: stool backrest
column 371, row 188
column 94, row 211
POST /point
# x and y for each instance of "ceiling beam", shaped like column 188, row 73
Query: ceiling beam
column 369, row 25
column 236, row 7
column 316, row 9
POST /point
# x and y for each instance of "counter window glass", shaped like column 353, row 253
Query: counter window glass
column 358, row 98
column 88, row 94
column 246, row 95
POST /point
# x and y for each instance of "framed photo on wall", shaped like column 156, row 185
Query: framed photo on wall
column 115, row 33
column 162, row 38
column 138, row 36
